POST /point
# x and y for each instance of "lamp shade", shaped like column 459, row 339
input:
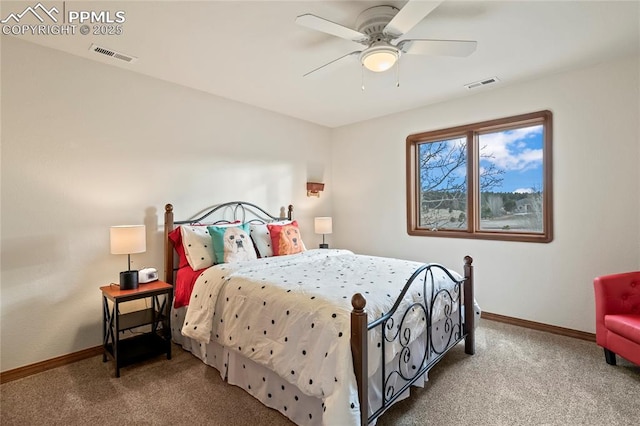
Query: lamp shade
column 128, row 239
column 379, row 58
column 323, row 225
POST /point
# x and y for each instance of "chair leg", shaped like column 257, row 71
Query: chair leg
column 610, row 357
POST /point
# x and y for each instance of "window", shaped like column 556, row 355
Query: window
column 489, row 180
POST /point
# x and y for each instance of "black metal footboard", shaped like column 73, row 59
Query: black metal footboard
column 412, row 341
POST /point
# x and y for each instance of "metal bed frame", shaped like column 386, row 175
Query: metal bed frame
column 459, row 320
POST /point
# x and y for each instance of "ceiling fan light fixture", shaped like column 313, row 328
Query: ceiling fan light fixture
column 379, row 58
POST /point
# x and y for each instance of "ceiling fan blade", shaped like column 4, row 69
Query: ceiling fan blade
column 438, row 47
column 409, row 16
column 357, row 52
column 320, row 24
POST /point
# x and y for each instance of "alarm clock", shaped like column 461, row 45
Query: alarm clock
column 147, row 275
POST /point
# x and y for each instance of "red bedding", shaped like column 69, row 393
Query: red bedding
column 186, row 276
column 185, row 279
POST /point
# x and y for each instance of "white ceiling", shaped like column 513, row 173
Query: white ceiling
column 253, row 52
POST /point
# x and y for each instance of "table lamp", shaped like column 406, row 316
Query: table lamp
column 128, row 239
column 323, row 225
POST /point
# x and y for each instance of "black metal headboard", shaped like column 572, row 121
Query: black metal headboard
column 225, row 212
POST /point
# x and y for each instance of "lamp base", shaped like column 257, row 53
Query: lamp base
column 323, row 245
column 128, row 280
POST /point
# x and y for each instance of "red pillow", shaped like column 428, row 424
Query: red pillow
column 286, row 239
column 176, row 237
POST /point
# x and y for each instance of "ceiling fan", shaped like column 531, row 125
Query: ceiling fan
column 378, row 27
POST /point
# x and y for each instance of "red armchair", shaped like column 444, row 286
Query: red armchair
column 618, row 316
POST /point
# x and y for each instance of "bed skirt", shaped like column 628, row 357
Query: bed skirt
column 262, row 383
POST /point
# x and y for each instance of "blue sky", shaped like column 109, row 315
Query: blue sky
column 519, row 153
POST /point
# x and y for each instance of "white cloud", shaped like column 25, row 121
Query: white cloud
column 507, row 149
column 523, row 191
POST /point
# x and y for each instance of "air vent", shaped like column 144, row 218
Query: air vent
column 484, row 82
column 112, row 53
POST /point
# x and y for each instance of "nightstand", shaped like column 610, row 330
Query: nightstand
column 142, row 345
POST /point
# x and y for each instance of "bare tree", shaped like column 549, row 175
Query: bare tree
column 535, row 214
column 443, row 186
column 443, row 182
column 495, row 203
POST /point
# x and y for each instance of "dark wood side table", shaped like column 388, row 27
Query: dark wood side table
column 145, row 344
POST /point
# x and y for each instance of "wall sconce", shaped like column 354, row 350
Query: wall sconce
column 128, row 239
column 314, row 189
column 324, row 226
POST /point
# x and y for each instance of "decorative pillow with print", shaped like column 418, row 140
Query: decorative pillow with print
column 286, row 239
column 261, row 238
column 232, row 243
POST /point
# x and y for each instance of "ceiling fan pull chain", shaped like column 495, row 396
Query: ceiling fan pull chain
column 362, row 76
column 397, row 73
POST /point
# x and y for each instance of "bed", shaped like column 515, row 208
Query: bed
column 325, row 336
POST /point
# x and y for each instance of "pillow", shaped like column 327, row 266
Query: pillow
column 232, row 243
column 197, row 245
column 285, row 239
column 176, row 238
column 261, row 238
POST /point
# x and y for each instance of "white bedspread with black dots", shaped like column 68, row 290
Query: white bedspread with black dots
column 292, row 315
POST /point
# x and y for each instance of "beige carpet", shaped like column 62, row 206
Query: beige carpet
column 517, row 377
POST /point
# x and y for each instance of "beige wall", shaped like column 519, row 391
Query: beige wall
column 86, row 146
column 596, row 183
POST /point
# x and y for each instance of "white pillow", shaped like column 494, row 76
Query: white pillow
column 261, row 238
column 198, row 246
